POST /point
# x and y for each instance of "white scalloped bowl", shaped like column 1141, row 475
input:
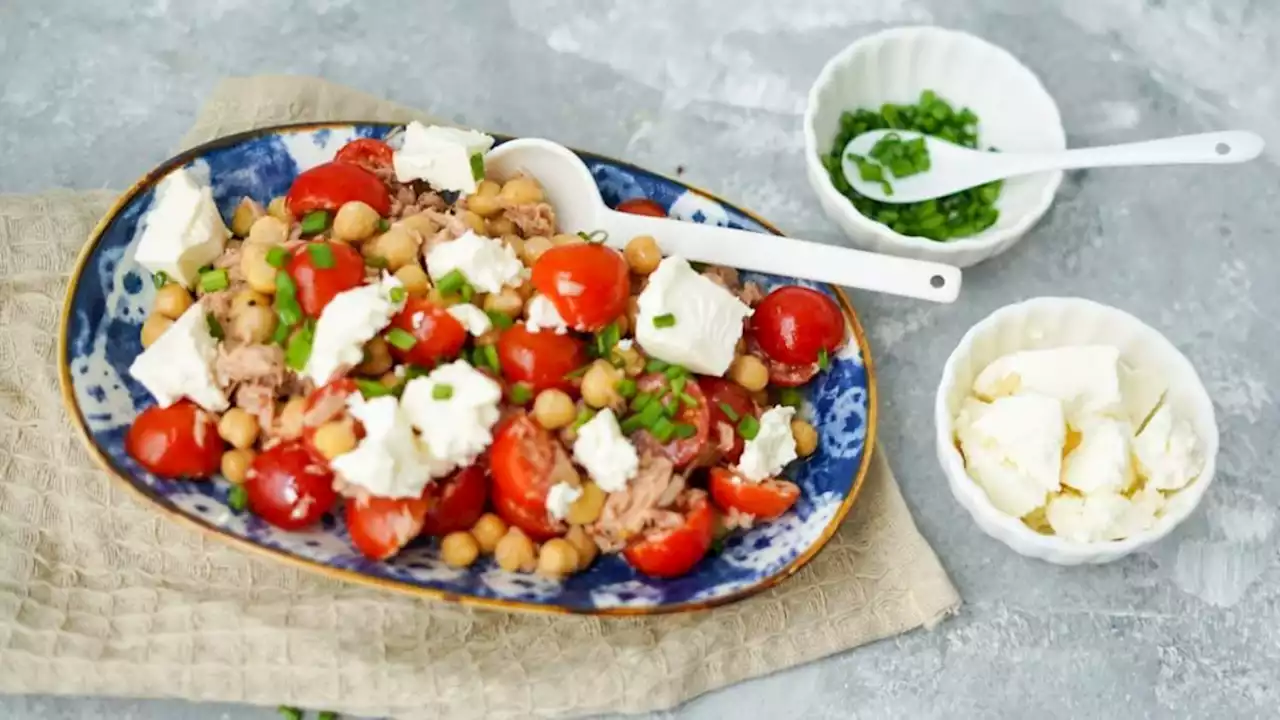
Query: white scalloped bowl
column 1154, row 365
column 1015, row 114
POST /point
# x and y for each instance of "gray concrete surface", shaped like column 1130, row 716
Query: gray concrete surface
column 94, row 93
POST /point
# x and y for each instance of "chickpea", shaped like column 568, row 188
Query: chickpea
column 153, row 328
column 630, row 360
column 236, row 463
column 398, row 246
column 389, row 379
column 599, row 385
column 414, row 279
column 586, row 509
column 488, row 188
column 459, row 549
column 516, row 243
column 586, row 547
column 268, row 230
column 355, row 222
column 554, row 409
column 439, row 299
column 259, row 273
column 521, row 190
column 749, row 372
column 255, row 324
column 490, row 337
column 238, row 427
column 515, row 552
column 806, row 437
column 473, row 221
column 557, row 558
column 420, row 223
column 377, row 357
column 633, row 311
column 246, row 299
column 508, row 302
column 334, row 438
column 561, row 239
column 290, row 420
column 246, row 212
column 172, row 300
column 499, row 226
column 642, row 254
column 486, row 206
column 279, row 210
column 488, row 530
column 534, row 247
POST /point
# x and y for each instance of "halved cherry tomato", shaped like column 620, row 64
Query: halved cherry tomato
column 539, row 359
column 439, row 335
column 288, row 488
column 317, row 285
column 525, row 461
column 764, row 500
column 457, row 502
column 180, row 441
column 588, row 283
column 327, row 402
column 641, row 206
column 794, row 324
column 674, row 552
column 380, row 526
column 367, row 153
column 680, row 451
column 724, row 393
column 330, row 186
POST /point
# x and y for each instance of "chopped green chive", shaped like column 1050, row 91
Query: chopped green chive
column 415, row 371
column 327, row 715
column 401, row 339
column 607, row 338
column 595, row 236
column 383, row 225
column 520, row 394
column 298, row 349
column 442, row 391
column 375, row 261
column 467, row 292
column 655, row 365
column 584, row 417
column 791, row 397
column 289, row 312
column 214, row 280
column 491, row 357
column 641, row 401
column 237, row 498
column 626, row 387
column 632, row 424
column 397, row 294
column 500, row 320
column 677, row 384
column 215, row 327
column 277, row 257
column 663, row 430
column 160, row 279
column 477, row 167
column 729, row 412
column 371, row 389
column 651, row 414
column 665, row 320
column 452, row 282
column 674, row 371
column 285, row 285
column 281, row 334
column 688, row 400
column 685, row 430
column 321, row 255
column 204, row 269
column 315, row 222
column 289, row 713
column 824, row 359
column 749, row 427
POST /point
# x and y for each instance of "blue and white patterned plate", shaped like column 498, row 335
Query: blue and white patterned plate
column 110, row 295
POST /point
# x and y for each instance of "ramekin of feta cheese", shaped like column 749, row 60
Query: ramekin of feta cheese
column 1073, row 432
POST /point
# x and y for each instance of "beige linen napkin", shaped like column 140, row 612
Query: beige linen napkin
column 102, row 596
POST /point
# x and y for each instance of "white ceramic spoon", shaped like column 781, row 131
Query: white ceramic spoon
column 954, row 168
column 570, row 188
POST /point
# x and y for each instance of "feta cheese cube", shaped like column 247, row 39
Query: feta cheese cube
column 560, row 497
column 707, row 319
column 1013, row 449
column 182, row 231
column 389, row 461
column 1092, row 518
column 540, row 313
column 440, row 156
column 180, row 363
column 349, row 321
column 488, row 264
column 455, row 408
column 766, row 454
column 472, row 318
column 1102, row 460
column 608, row 457
column 1086, row 379
column 1168, row 451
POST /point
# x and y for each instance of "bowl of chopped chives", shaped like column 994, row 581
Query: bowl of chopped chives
column 943, row 83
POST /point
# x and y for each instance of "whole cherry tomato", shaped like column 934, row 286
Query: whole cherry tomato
column 525, row 461
column 764, row 500
column 288, row 488
column 539, row 359
column 680, row 451
column 723, row 394
column 323, row 405
column 641, row 206
column 674, row 552
column 341, row 268
column 330, row 186
column 588, row 283
column 380, row 527
column 794, row 325
column 180, row 441
column 457, row 502
column 439, row 335
column 367, row 153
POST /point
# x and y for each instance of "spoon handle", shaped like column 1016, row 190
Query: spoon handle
column 1233, row 146
column 785, row 256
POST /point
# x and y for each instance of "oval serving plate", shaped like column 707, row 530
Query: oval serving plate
column 110, row 295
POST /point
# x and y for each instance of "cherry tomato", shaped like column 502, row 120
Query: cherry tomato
column 588, row 283
column 439, row 335
column 674, row 552
column 380, row 526
column 368, row 153
column 764, row 500
column 641, row 206
column 525, row 461
column 180, row 441
column 457, row 502
column 330, row 186
column 325, row 404
column 721, row 393
column 782, row 374
column 794, row 324
column 317, row 285
column 680, row 451
column 539, row 359
column 288, row 488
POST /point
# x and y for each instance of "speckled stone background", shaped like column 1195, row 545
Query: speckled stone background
column 94, row 93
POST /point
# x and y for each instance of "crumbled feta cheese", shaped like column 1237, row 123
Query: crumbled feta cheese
column 441, row 156
column 1086, row 379
column 182, row 231
column 1013, row 449
column 608, row 457
column 472, row 318
column 1168, row 451
column 1101, row 462
column 560, row 497
column 488, row 264
column 625, row 344
column 457, row 428
column 1092, row 518
column 390, row 461
column 541, row 313
column 349, row 321
column 708, row 319
column 765, row 455
column 180, row 363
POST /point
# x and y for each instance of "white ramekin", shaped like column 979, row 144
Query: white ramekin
column 1153, row 365
column 1015, row 114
